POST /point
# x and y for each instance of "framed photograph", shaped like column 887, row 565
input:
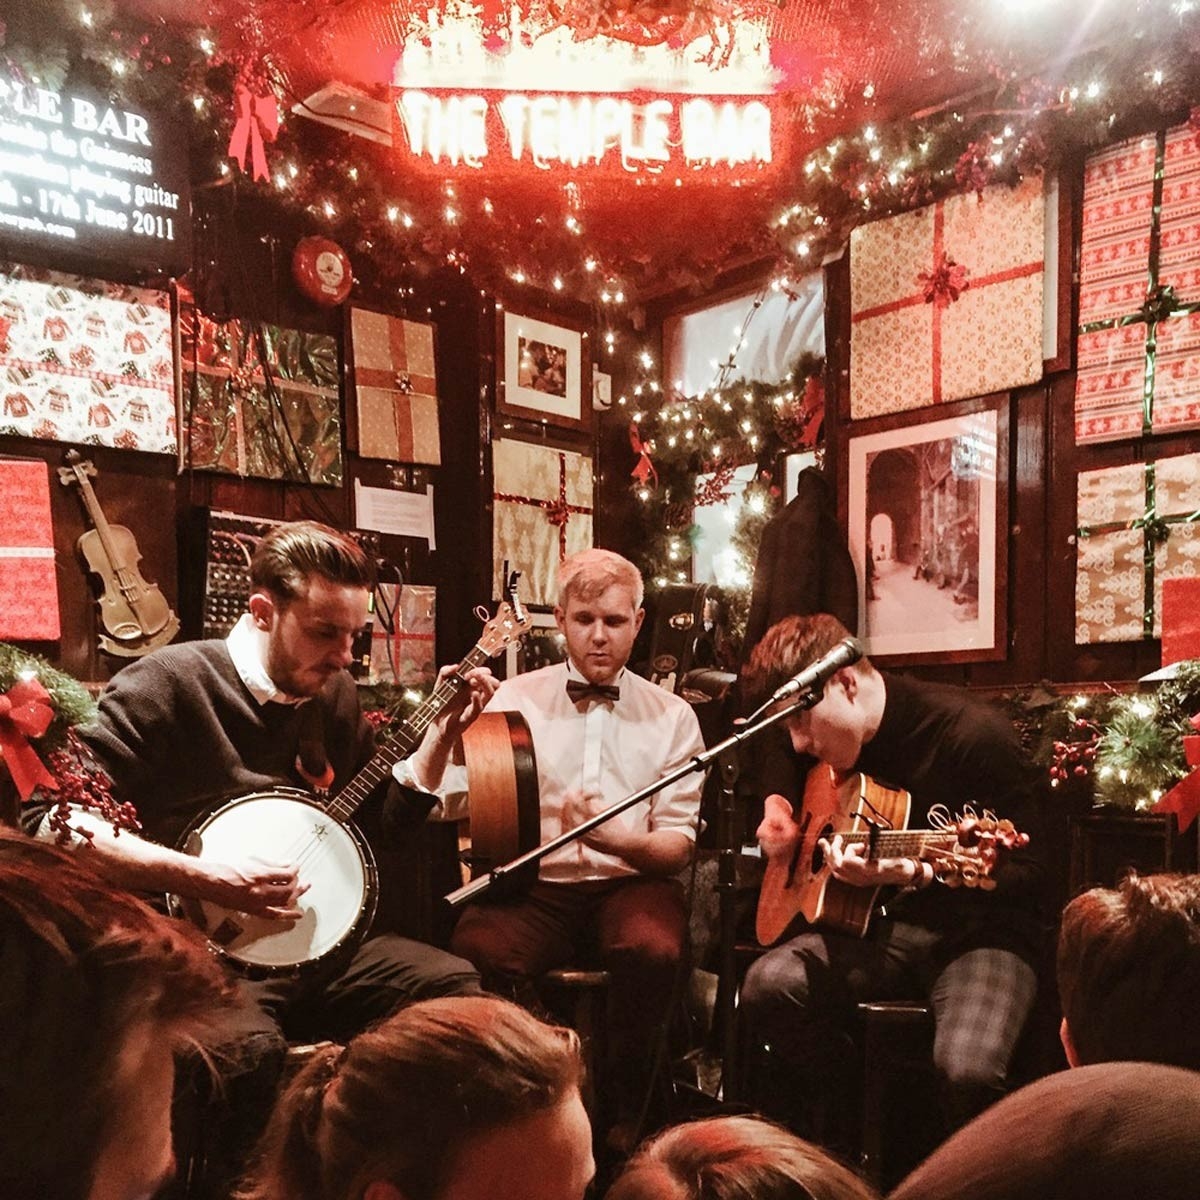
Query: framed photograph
column 544, row 371
column 540, row 647
column 928, row 517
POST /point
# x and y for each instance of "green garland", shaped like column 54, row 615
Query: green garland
column 742, row 422
column 70, row 700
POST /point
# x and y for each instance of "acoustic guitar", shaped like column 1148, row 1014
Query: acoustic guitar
column 799, row 882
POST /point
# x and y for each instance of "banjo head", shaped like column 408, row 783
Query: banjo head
column 284, row 825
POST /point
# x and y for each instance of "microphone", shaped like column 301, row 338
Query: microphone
column 812, row 678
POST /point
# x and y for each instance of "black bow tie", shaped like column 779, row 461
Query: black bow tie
column 578, row 689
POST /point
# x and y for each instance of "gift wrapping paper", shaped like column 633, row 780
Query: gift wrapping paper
column 231, row 421
column 946, row 301
column 85, row 361
column 402, row 637
column 1137, row 528
column 395, row 386
column 1139, row 289
column 28, row 581
column 542, row 512
column 1180, row 619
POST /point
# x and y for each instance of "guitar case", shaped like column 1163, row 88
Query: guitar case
column 678, row 626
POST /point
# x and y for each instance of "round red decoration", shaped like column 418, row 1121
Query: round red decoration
column 321, row 270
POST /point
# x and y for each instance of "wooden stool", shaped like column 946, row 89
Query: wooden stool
column 586, row 997
column 897, row 1044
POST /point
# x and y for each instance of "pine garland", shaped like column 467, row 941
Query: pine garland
column 70, row 700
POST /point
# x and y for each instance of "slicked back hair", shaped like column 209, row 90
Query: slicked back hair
column 290, row 555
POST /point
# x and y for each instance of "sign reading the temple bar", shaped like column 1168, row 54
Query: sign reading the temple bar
column 91, row 179
column 539, row 96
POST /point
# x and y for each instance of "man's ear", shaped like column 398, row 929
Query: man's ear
column 1068, row 1045
column 262, row 610
column 639, row 617
column 848, row 678
column 380, row 1189
column 560, row 619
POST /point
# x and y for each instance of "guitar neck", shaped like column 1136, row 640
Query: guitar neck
column 902, row 843
column 405, row 740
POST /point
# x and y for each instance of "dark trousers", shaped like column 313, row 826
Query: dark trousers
column 633, row 927
column 220, row 1113
column 798, row 1000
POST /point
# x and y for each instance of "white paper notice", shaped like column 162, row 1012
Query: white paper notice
column 408, row 514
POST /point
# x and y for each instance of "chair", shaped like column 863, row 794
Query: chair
column 582, row 997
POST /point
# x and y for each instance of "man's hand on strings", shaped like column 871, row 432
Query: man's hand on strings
column 256, row 886
column 778, row 832
column 849, row 864
column 469, row 703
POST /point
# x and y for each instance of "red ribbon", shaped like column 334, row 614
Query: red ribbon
column 257, row 119
column 643, row 471
column 1184, row 798
column 25, row 713
column 945, row 283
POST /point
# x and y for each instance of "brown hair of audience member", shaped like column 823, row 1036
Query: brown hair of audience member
column 1129, row 972
column 91, row 981
column 291, row 554
column 402, row 1099
column 789, row 646
column 735, row 1158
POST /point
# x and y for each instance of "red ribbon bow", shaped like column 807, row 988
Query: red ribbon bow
column 945, row 283
column 25, row 713
column 257, row 119
column 643, row 471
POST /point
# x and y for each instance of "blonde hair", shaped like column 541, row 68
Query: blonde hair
column 591, row 572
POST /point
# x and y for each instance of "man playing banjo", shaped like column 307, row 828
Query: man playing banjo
column 193, row 724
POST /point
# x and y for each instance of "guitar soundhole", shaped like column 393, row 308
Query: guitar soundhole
column 818, row 855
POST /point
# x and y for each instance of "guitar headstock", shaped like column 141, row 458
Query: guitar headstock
column 511, row 621
column 77, row 467
column 980, row 843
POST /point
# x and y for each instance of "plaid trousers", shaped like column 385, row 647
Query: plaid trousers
column 796, row 1006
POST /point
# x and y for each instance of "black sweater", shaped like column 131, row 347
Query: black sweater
column 945, row 747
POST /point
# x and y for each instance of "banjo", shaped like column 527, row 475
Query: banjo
column 315, row 833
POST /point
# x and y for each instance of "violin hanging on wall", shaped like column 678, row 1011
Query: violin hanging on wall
column 135, row 614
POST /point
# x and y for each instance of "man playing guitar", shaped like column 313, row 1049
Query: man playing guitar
column 968, row 952
column 195, row 723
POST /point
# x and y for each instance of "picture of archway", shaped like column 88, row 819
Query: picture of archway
column 922, row 530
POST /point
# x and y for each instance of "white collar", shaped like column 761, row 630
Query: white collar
column 247, row 645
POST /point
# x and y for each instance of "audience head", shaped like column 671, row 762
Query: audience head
column 599, row 612
column 459, row 1098
column 1129, row 972
column 97, row 993
column 847, row 716
column 310, row 595
column 1111, row 1129
column 735, row 1158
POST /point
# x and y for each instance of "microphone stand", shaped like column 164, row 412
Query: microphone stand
column 699, row 762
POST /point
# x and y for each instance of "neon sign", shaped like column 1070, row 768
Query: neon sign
column 547, row 130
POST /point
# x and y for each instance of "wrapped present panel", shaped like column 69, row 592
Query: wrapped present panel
column 238, row 422
column 86, row 361
column 1180, row 620
column 395, row 387
column 1137, row 529
column 28, row 583
column 542, row 512
column 402, row 638
column 1140, row 289
column 946, row 302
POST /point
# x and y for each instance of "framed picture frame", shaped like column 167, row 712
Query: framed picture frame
column 540, row 647
column 928, row 522
column 544, row 370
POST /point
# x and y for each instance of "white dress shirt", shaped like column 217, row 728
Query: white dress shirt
column 614, row 748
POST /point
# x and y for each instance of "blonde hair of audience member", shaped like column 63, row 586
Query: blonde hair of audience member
column 97, row 994
column 1129, row 972
column 590, row 573
column 735, row 1158
column 458, row 1098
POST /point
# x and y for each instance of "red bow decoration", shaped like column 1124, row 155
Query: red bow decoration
column 644, row 471
column 558, row 512
column 1184, row 798
column 25, row 713
column 257, row 119
column 945, row 283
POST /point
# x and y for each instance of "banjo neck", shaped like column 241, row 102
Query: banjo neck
column 347, row 802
